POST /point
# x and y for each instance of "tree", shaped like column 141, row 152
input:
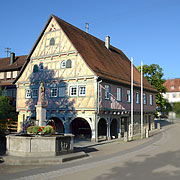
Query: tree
column 7, row 113
column 154, row 74
column 176, row 108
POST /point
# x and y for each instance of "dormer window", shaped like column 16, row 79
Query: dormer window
column 172, row 87
column 52, row 42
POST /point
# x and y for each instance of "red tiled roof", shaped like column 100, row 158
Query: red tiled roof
column 109, row 64
column 173, row 85
column 17, row 65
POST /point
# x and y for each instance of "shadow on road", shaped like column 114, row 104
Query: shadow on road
column 164, row 166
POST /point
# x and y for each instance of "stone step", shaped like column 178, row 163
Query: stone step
column 14, row 160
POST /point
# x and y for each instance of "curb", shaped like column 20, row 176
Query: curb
column 55, row 160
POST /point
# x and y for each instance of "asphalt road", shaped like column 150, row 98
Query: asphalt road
column 155, row 158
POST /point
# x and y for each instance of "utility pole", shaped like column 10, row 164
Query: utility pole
column 132, row 103
column 142, row 126
column 8, row 50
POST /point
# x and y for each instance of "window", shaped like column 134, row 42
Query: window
column 14, row 74
column 52, row 42
column 137, row 97
column 151, row 99
column 63, row 64
column 73, row 90
column 8, row 75
column 62, row 91
column 172, row 87
column 2, row 75
column 174, row 95
column 34, row 93
column 119, row 94
column 14, row 93
column 107, row 91
column 9, row 93
column 54, row 92
column 68, row 63
column 28, row 93
column 35, row 68
column 128, row 96
column 41, row 66
column 144, row 98
column 82, row 90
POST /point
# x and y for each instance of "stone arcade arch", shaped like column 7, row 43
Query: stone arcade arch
column 59, row 127
column 81, row 128
column 114, row 129
column 102, row 128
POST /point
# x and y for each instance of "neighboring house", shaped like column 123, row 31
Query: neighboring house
column 87, row 84
column 9, row 69
column 173, row 93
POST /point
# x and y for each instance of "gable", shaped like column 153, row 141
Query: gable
column 52, row 50
column 53, row 41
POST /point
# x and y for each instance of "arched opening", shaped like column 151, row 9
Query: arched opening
column 114, row 129
column 80, row 128
column 57, row 123
column 102, row 128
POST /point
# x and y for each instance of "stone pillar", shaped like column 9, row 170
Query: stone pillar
column 125, row 136
column 119, row 128
column 146, row 133
column 66, row 127
column 108, row 129
column 158, row 126
column 93, row 130
column 41, row 114
column 41, row 106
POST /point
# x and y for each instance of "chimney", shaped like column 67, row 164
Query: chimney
column 12, row 58
column 107, row 42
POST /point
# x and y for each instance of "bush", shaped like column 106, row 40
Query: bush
column 37, row 129
column 47, row 130
column 33, row 129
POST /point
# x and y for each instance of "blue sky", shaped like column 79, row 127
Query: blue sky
column 147, row 30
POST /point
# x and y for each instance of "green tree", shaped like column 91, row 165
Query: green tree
column 6, row 110
column 5, row 107
column 176, row 108
column 154, row 74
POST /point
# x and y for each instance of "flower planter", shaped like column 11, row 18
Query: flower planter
column 39, row 146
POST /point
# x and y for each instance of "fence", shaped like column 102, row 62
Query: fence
column 8, row 125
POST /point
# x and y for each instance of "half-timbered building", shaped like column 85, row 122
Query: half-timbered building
column 87, row 84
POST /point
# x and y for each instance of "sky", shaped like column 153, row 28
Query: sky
column 147, row 30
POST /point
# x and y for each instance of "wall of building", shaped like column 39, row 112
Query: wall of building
column 172, row 97
column 112, row 103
